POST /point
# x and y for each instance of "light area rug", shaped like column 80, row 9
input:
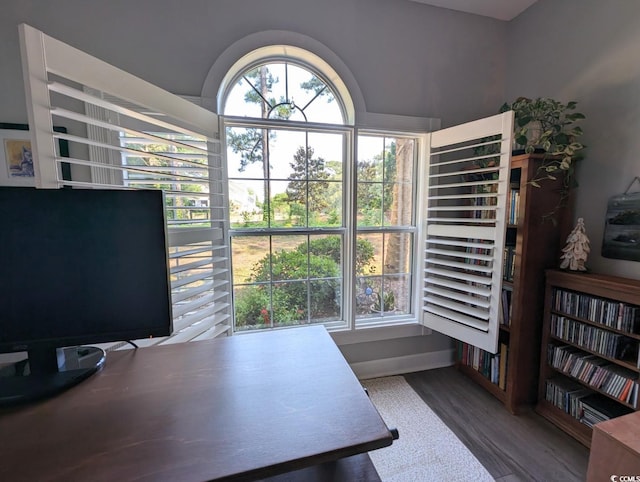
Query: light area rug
column 427, row 449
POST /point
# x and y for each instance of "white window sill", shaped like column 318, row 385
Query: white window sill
column 375, row 333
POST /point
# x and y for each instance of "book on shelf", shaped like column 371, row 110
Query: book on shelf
column 505, row 306
column 513, row 206
column 502, row 371
column 509, row 263
column 491, row 366
column 485, row 202
column 566, row 394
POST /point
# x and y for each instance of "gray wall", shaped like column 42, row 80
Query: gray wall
column 587, row 51
column 407, row 58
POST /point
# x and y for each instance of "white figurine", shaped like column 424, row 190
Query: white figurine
column 576, row 250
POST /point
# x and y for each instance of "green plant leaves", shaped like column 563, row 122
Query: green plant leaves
column 547, row 124
column 524, row 120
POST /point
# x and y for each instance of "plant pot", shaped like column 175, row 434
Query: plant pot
column 534, row 132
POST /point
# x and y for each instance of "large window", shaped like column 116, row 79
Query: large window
column 323, row 215
column 318, row 233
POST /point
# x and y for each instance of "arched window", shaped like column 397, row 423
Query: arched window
column 280, row 90
column 316, row 236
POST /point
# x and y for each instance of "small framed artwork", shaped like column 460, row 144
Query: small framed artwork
column 16, row 158
column 622, row 226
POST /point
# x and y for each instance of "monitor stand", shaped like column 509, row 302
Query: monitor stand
column 46, row 372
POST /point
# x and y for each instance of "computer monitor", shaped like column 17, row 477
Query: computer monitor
column 77, row 267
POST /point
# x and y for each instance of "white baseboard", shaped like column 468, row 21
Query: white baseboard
column 404, row 364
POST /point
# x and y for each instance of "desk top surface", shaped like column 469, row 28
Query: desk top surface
column 246, row 406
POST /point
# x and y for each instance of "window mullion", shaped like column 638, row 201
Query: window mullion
column 350, row 179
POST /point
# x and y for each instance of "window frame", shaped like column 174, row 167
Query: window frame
column 366, row 124
column 412, row 229
column 347, row 173
column 350, row 229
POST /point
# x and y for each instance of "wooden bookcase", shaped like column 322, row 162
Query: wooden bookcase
column 596, row 319
column 533, row 243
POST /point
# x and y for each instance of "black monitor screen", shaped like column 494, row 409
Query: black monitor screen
column 82, row 266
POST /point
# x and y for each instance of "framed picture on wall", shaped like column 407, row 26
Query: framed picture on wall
column 16, row 157
column 622, row 226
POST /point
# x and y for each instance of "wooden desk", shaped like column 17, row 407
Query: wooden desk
column 242, row 408
column 615, row 448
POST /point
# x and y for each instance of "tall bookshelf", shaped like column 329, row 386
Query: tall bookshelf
column 589, row 363
column 532, row 245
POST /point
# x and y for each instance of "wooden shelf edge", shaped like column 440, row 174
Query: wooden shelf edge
column 594, row 284
column 565, row 422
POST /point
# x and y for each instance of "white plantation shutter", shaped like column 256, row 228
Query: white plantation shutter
column 464, row 204
column 129, row 134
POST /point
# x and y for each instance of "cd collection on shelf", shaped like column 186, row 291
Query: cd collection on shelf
column 604, row 342
column 598, row 373
column 611, row 313
column 590, row 360
column 584, row 405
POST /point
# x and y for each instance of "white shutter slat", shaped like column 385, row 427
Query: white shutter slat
column 161, row 176
column 449, row 303
column 192, row 265
column 213, row 332
column 455, row 242
column 185, row 293
column 193, row 251
column 464, row 208
column 463, row 236
column 143, row 137
column 485, row 170
column 453, row 295
column 466, row 147
column 194, row 303
column 462, row 196
column 460, row 254
column 188, row 237
column 463, row 184
column 192, row 278
column 193, row 325
column 463, row 221
column 458, row 275
column 131, row 134
column 135, row 92
column 463, row 320
column 462, row 232
column 461, row 266
column 478, row 290
column 218, row 323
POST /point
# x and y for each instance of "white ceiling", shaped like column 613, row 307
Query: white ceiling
column 500, row 9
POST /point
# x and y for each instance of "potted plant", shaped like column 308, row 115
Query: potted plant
column 384, row 304
column 548, row 126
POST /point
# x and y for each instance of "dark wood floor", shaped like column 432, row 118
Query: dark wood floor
column 512, row 448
